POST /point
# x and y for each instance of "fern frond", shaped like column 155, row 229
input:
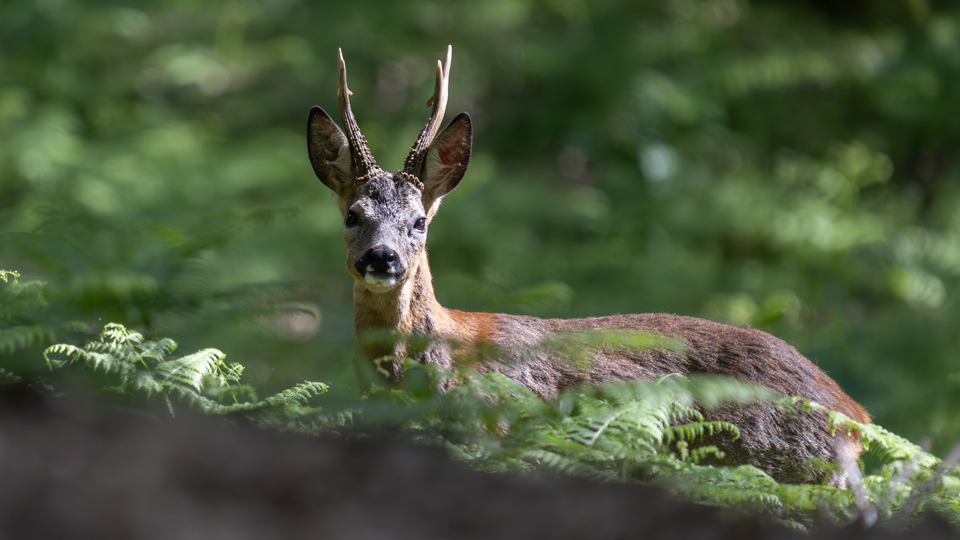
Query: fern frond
column 158, row 349
column 72, row 353
column 191, row 370
column 202, row 379
column 300, row 393
column 875, row 439
column 118, row 335
column 24, row 337
column 693, row 430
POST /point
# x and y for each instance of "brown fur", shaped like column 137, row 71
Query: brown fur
column 387, row 213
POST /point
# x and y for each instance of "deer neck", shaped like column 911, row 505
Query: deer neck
column 408, row 310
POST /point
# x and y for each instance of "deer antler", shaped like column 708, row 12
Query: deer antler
column 414, row 162
column 362, row 158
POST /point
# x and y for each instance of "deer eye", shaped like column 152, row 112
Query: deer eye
column 352, row 219
column 420, row 224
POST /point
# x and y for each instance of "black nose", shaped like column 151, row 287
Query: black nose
column 380, row 259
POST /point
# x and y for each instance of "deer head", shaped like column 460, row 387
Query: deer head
column 386, row 214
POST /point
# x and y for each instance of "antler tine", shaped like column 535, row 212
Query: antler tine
column 414, row 161
column 362, row 158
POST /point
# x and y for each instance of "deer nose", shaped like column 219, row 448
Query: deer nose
column 380, row 259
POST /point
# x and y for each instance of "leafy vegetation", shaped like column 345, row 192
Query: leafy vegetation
column 202, row 379
column 627, row 432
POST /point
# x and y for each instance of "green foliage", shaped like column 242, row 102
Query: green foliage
column 647, row 431
column 650, row 432
column 202, row 379
column 912, row 479
column 21, row 308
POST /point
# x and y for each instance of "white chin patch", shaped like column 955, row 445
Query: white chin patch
column 388, row 281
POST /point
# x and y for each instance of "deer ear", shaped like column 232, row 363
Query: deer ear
column 329, row 151
column 448, row 157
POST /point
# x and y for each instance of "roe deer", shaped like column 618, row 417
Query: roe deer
column 386, row 215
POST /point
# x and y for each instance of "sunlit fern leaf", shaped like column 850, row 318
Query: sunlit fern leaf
column 885, row 444
column 232, row 372
column 875, row 439
column 297, row 395
column 300, row 393
column 694, row 430
column 114, row 355
column 201, row 379
column 191, row 370
column 636, row 429
column 72, row 353
column 119, row 335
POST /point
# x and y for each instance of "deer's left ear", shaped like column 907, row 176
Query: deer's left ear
column 448, row 157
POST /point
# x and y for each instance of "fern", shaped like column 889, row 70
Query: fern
column 19, row 330
column 202, row 379
column 649, row 432
column 23, row 337
column 192, row 371
column 911, row 480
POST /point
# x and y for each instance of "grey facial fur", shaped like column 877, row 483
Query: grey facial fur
column 387, row 212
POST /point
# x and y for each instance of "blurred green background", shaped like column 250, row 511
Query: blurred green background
column 787, row 165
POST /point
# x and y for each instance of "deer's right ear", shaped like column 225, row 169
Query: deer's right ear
column 329, row 151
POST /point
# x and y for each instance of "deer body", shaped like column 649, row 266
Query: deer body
column 385, row 221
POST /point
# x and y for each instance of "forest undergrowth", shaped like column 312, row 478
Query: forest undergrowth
column 649, row 431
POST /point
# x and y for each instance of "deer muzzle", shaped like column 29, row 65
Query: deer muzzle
column 380, row 266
